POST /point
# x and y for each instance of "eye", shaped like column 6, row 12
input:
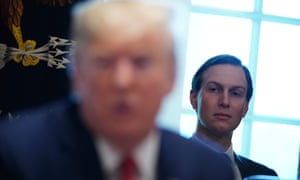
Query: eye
column 237, row 93
column 212, row 88
column 142, row 62
column 102, row 62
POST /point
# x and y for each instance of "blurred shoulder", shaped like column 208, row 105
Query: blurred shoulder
column 195, row 157
column 186, row 144
column 34, row 120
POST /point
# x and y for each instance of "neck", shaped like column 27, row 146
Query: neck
column 124, row 140
column 222, row 140
column 125, row 144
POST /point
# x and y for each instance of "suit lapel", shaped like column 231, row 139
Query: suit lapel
column 241, row 166
column 165, row 164
column 162, row 164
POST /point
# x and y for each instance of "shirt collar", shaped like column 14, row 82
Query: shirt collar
column 229, row 152
column 145, row 155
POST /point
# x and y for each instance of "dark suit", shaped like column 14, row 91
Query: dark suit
column 53, row 144
column 248, row 167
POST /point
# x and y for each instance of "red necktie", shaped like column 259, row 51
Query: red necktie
column 128, row 168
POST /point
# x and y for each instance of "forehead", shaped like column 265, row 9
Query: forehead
column 159, row 35
column 119, row 24
column 152, row 44
column 98, row 19
column 226, row 75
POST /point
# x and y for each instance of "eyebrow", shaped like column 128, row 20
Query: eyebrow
column 231, row 87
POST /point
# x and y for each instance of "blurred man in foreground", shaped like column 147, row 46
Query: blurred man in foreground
column 123, row 68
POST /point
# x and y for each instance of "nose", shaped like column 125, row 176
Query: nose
column 224, row 100
column 123, row 74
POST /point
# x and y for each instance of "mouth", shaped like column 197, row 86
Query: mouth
column 222, row 116
column 123, row 108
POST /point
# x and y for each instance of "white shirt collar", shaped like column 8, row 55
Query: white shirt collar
column 237, row 172
column 229, row 152
column 146, row 155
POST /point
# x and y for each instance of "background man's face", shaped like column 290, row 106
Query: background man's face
column 221, row 102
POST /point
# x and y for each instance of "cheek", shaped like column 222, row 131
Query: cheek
column 240, row 109
column 77, row 82
column 151, row 94
column 244, row 110
column 202, row 109
column 205, row 103
column 166, row 80
column 87, row 84
column 159, row 83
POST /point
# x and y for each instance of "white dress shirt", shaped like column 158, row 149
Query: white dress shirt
column 145, row 155
column 237, row 173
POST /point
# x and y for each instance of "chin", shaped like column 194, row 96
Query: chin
column 223, row 130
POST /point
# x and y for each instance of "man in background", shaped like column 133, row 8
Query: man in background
column 124, row 65
column 220, row 95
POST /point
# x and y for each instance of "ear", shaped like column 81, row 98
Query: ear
column 170, row 77
column 76, row 80
column 193, row 99
column 245, row 109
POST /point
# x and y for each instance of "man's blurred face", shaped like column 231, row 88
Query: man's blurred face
column 221, row 102
column 122, row 79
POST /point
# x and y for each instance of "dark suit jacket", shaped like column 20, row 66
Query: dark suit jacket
column 248, row 167
column 52, row 143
